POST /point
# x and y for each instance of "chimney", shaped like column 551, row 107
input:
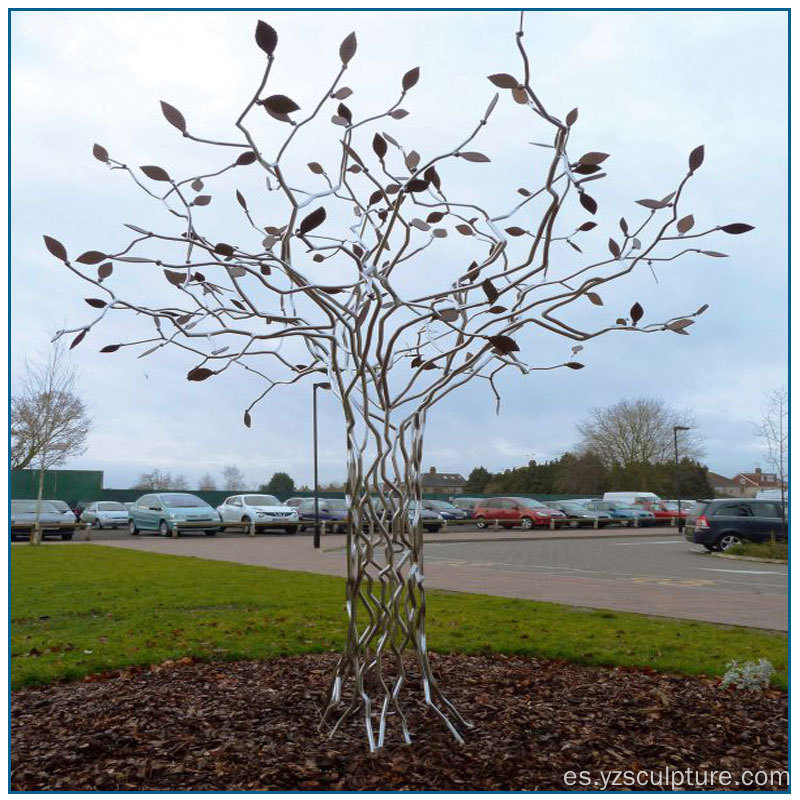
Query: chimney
column 758, row 470
column 432, row 470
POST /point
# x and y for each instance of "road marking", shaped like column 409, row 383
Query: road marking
column 741, row 571
column 666, row 541
column 675, row 581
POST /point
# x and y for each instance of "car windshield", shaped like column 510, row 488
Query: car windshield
column 59, row 505
column 623, row 507
column 29, row 506
column 337, row 505
column 183, row 501
column 442, row 505
column 110, row 507
column 261, row 500
column 529, row 503
column 576, row 507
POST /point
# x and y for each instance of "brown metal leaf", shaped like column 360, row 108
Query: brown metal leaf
column 587, row 226
column 398, row 113
column 173, row 116
column 696, row 158
column 416, row 185
column 375, row 197
column 197, row 184
column 342, row 94
column 418, row 223
column 280, row 104
column 448, row 314
column 679, row 324
column 614, row 248
column 416, row 361
column 593, row 158
column 432, row 176
column 100, row 153
column 523, row 191
column 435, row 216
column 653, row 205
column 316, row 168
column 223, row 249
column 155, row 173
column 440, row 233
column 636, row 312
column 78, row 339
column 504, row 81
column 505, row 344
column 623, row 225
column 91, row 257
column 685, row 224
column 498, row 310
column 736, row 227
column 574, row 246
column 175, row 278
column 621, row 321
column 465, row 229
column 515, row 231
column 56, row 248
column 588, row 202
column 701, row 310
column 574, row 365
column 95, row 302
column 347, row 49
column 240, row 199
column 247, row 420
column 199, row 374
column 337, row 119
column 595, row 298
column 110, row 348
column 714, row 254
column 201, row 200
column 410, row 79
column 477, row 158
column 489, row 290
column 104, row 271
column 313, row 220
column 344, row 112
column 412, row 160
column 248, row 157
column 572, row 117
column 266, row 37
column 586, row 169
column 379, row 146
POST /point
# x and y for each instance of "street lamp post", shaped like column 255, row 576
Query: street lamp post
column 675, row 429
column 322, row 385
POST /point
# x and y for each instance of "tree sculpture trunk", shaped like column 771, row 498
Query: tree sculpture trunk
column 385, row 584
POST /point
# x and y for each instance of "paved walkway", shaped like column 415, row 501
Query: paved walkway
column 644, row 588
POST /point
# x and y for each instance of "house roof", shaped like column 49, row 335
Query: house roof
column 715, row 479
column 443, row 479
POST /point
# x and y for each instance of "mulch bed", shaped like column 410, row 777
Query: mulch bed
column 253, row 725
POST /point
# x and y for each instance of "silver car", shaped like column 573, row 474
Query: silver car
column 258, row 508
column 106, row 514
column 51, row 519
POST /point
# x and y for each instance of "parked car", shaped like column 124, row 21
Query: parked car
column 51, row 519
column 332, row 511
column 295, row 502
column 721, row 524
column 63, row 508
column 106, row 513
column 513, row 511
column 445, row 510
column 577, row 511
column 631, row 498
column 258, row 508
column 662, row 510
column 623, row 512
column 467, row 504
column 431, row 521
column 164, row 511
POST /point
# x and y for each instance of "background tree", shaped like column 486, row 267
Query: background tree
column 637, row 432
column 582, row 474
column 329, row 272
column 773, row 430
column 49, row 421
column 233, row 479
column 158, row 481
column 477, row 480
column 207, row 482
column 660, row 478
column 281, row 485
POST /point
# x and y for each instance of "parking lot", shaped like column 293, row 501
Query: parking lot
column 653, row 571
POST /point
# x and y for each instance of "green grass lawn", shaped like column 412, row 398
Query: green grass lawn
column 772, row 549
column 81, row 609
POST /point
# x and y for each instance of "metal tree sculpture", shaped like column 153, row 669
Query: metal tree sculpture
column 390, row 351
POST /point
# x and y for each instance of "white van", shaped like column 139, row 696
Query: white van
column 632, row 498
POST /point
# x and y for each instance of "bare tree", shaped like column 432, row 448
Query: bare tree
column 207, row 482
column 638, row 432
column 49, row 422
column 329, row 275
column 159, row 481
column 233, row 479
column 773, row 430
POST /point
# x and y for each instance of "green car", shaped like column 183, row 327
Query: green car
column 173, row 512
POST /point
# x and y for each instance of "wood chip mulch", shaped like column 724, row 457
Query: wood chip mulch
column 253, row 726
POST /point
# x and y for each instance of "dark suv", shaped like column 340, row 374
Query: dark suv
column 720, row 524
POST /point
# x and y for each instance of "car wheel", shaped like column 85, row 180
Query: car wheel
column 480, row 522
column 163, row 528
column 211, row 533
column 574, row 523
column 434, row 529
column 66, row 537
column 96, row 524
column 132, row 529
column 728, row 540
column 710, row 547
column 527, row 523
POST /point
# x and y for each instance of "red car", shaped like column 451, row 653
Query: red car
column 661, row 510
column 512, row 511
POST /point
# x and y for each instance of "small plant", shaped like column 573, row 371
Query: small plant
column 748, row 675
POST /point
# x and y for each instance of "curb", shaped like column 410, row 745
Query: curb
column 750, row 558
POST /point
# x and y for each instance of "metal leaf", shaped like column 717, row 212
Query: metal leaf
column 465, row 229
column 498, row 310
column 696, row 157
column 440, row 233
column 595, row 298
column 78, row 339
column 410, row 79
column 197, row 184
column 379, row 146
column 504, row 81
column 201, row 200
column 55, row 247
column 416, row 185
column 636, row 312
column 587, row 226
column 91, row 257
column 240, row 199
column 175, row 278
column 100, row 153
column 280, row 104
column 248, row 157
column 714, row 254
column 736, row 227
column 342, row 94
column 155, row 173
column 412, row 160
column 701, row 310
column 435, row 216
column 313, row 220
column 316, row 168
column 593, row 158
column 574, row 365
column 477, row 158
column 588, row 202
column 347, row 49
column 418, row 223
column 448, row 314
column 173, row 116
column 199, row 374
column 237, row 272
column 104, row 271
column 505, row 344
column 223, row 249
column 398, row 113
column 432, row 176
column 266, row 37
column 110, row 348
column 623, row 225
column 614, row 248
column 685, row 224
column 95, row 302
column 247, row 420
column 653, row 205
column 515, row 231
column 678, row 325
column 572, row 117
column 489, row 290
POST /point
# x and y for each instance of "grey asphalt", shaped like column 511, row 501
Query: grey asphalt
column 656, row 572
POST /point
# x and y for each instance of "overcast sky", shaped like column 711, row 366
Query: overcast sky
column 650, row 86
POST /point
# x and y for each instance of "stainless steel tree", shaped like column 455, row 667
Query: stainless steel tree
column 332, row 265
